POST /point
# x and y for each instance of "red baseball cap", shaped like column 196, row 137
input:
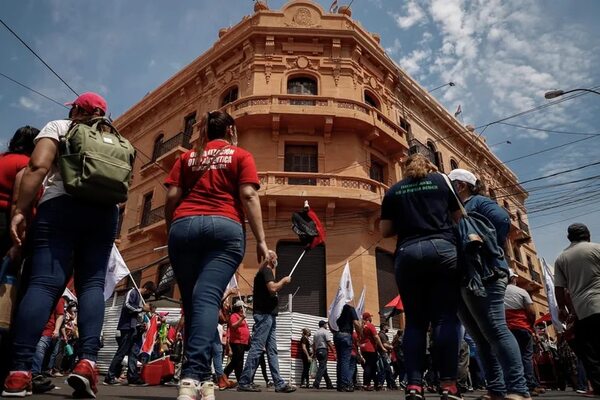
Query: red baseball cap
column 89, row 101
column 366, row 315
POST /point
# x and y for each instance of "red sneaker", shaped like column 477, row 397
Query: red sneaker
column 84, row 379
column 17, row 384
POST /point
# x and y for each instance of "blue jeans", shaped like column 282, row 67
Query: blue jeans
column 525, row 341
column 485, row 321
column 217, row 355
column 43, row 345
column 205, row 251
column 262, row 338
column 66, row 235
column 427, row 281
column 321, row 355
column 58, row 345
column 343, row 350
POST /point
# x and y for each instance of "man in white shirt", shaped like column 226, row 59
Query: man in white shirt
column 577, row 271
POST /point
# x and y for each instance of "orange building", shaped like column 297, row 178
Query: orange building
column 328, row 117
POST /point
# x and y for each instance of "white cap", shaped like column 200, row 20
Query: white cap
column 512, row 273
column 463, row 175
column 239, row 303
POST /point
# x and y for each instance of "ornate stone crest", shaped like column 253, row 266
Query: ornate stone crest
column 302, row 17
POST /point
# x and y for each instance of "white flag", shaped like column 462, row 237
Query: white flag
column 116, row 271
column 69, row 295
column 344, row 294
column 233, row 283
column 552, row 304
column 360, row 307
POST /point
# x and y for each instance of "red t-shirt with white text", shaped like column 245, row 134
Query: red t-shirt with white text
column 217, row 191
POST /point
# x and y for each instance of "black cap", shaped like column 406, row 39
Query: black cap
column 322, row 323
column 578, row 231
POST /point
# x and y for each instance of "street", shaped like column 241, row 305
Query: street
column 63, row 391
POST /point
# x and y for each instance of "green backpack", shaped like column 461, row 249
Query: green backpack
column 96, row 162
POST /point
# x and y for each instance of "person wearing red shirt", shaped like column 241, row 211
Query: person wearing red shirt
column 369, row 345
column 212, row 190
column 12, row 162
column 239, row 340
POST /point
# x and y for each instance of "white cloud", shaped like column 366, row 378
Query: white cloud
column 414, row 15
column 412, row 63
column 28, row 104
column 394, row 48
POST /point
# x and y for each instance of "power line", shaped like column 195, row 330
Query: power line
column 38, row 57
column 549, row 149
column 33, row 90
column 567, row 219
column 531, row 128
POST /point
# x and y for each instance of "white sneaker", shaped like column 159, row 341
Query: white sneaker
column 188, row 389
column 207, row 390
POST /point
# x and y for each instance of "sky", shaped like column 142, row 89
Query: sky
column 502, row 56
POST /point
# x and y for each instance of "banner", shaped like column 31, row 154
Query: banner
column 116, row 271
column 552, row 305
column 150, row 336
column 345, row 293
column 360, row 307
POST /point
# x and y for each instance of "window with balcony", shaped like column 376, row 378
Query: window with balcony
column 517, row 254
column 156, row 150
column 453, row 164
column 301, row 158
column 230, row 96
column 404, row 124
column 377, row 170
column 371, row 100
column 188, row 128
column 302, row 85
column 506, row 205
column 436, row 156
column 146, row 209
column 492, row 194
column 120, row 222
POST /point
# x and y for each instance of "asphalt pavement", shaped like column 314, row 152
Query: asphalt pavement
column 63, row 391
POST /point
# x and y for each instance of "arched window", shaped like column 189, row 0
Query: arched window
column 230, row 96
column 435, row 156
column 492, row 194
column 453, row 164
column 371, row 100
column 157, row 149
column 302, row 85
column 519, row 216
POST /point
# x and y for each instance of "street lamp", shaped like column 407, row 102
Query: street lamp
column 441, row 86
column 552, row 94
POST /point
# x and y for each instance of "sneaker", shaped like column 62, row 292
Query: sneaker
column 137, row 382
column 110, row 381
column 414, row 392
column 224, row 383
column 581, row 391
column 270, row 384
column 56, row 374
column 207, row 391
column 41, row 384
column 17, row 384
column 287, row 388
column 83, row 380
column 450, row 392
column 516, row 396
column 188, row 389
column 247, row 388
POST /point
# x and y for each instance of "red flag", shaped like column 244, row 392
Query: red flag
column 150, row 336
column 320, row 238
column 308, row 227
column 392, row 308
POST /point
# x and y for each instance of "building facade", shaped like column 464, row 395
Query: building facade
column 329, row 118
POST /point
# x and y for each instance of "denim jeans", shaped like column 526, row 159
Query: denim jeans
column 321, row 355
column 427, row 281
column 485, row 321
column 127, row 346
column 56, row 349
column 384, row 371
column 66, row 235
column 43, row 345
column 343, row 350
column 525, row 341
column 217, row 355
column 263, row 338
column 205, row 252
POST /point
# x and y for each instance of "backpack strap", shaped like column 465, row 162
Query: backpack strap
column 203, row 169
column 460, row 204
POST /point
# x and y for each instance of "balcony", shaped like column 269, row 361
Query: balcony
column 416, row 147
column 528, row 278
column 150, row 222
column 319, row 112
column 535, row 276
column 347, row 189
column 165, row 154
column 519, row 231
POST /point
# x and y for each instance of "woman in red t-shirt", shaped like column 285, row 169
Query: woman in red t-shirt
column 239, row 339
column 212, row 190
column 12, row 162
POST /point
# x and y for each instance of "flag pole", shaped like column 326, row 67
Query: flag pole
column 136, row 287
column 297, row 262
